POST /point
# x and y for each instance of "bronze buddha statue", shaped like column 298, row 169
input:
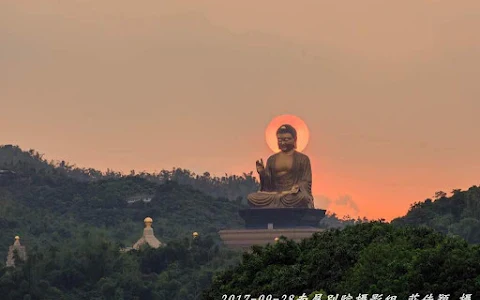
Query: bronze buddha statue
column 286, row 180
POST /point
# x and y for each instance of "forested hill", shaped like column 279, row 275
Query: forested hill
column 458, row 214
column 50, row 203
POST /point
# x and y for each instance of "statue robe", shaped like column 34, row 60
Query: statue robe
column 275, row 191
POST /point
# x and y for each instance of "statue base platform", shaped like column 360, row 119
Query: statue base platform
column 246, row 238
column 279, row 218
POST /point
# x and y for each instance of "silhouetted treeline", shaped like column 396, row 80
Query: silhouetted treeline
column 457, row 215
column 232, row 187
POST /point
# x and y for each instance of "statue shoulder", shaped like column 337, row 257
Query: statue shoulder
column 272, row 157
column 302, row 156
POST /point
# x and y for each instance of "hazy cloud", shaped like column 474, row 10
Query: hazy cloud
column 343, row 205
column 347, row 201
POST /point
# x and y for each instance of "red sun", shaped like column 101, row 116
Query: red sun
column 303, row 133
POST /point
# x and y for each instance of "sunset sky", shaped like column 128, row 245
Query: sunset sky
column 389, row 89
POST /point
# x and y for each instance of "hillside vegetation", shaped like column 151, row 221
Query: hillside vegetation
column 45, row 203
column 456, row 215
column 369, row 258
column 232, row 187
column 74, row 221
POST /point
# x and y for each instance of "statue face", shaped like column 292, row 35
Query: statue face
column 286, row 142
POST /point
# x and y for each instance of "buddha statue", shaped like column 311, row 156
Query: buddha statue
column 286, row 180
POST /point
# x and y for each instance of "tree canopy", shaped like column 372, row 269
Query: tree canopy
column 370, row 258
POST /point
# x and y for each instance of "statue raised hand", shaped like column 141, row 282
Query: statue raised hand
column 260, row 166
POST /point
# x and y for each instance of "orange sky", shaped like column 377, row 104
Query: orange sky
column 388, row 89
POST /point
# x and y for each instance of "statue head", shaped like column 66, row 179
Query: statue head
column 287, row 138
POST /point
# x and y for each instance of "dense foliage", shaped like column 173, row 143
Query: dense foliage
column 370, row 258
column 92, row 267
column 42, row 204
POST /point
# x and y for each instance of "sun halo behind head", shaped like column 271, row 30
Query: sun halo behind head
column 303, row 134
